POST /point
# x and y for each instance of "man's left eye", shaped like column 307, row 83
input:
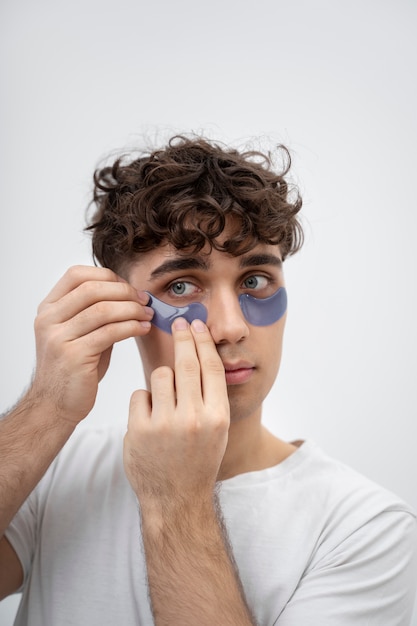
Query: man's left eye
column 255, row 282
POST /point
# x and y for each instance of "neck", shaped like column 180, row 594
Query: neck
column 251, row 447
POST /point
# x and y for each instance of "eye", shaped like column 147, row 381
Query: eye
column 255, row 282
column 181, row 288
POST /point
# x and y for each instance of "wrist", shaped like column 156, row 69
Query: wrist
column 41, row 413
column 179, row 513
column 49, row 407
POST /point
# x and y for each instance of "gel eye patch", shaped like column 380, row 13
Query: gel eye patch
column 264, row 311
column 165, row 314
column 257, row 311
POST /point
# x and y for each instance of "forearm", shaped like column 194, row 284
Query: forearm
column 77, row 324
column 191, row 573
column 30, row 438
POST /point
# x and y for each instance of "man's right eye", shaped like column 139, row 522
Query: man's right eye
column 181, row 288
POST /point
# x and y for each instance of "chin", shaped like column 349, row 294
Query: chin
column 241, row 407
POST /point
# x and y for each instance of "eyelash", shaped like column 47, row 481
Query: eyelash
column 178, row 282
column 258, row 276
column 170, row 287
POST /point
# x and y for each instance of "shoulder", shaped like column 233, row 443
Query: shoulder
column 344, row 492
column 343, row 539
column 343, row 498
column 313, row 489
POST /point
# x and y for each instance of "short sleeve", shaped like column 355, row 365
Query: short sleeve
column 22, row 533
column 368, row 579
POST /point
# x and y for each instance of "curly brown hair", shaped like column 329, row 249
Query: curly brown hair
column 184, row 193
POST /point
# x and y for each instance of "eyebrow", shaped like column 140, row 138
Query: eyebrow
column 260, row 259
column 197, row 263
column 180, row 264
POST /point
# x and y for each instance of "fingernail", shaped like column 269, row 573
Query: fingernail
column 145, row 324
column 143, row 297
column 148, row 311
column 180, row 324
column 199, row 326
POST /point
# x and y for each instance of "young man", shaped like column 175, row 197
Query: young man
column 198, row 515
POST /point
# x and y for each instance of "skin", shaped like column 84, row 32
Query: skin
column 234, row 340
column 199, row 421
column 77, row 325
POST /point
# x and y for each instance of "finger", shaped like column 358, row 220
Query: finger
column 134, row 443
column 104, row 362
column 163, row 393
column 187, row 366
column 104, row 313
column 213, row 379
column 80, row 274
column 140, row 408
column 101, row 339
column 77, row 275
column 86, row 295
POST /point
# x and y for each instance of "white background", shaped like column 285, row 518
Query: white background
column 336, row 82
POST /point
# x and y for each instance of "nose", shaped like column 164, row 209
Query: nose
column 225, row 318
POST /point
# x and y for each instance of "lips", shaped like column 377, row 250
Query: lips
column 238, row 372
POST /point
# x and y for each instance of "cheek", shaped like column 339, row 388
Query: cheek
column 272, row 347
column 155, row 349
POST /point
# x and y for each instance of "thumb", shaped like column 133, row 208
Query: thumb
column 104, row 362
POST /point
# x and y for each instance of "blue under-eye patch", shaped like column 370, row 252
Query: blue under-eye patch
column 257, row 311
column 165, row 314
column 264, row 311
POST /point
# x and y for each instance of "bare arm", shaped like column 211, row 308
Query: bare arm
column 175, row 443
column 191, row 572
column 29, row 441
column 77, row 324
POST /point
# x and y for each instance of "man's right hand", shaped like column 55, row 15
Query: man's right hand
column 87, row 311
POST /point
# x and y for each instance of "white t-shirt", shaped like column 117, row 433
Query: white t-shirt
column 315, row 543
